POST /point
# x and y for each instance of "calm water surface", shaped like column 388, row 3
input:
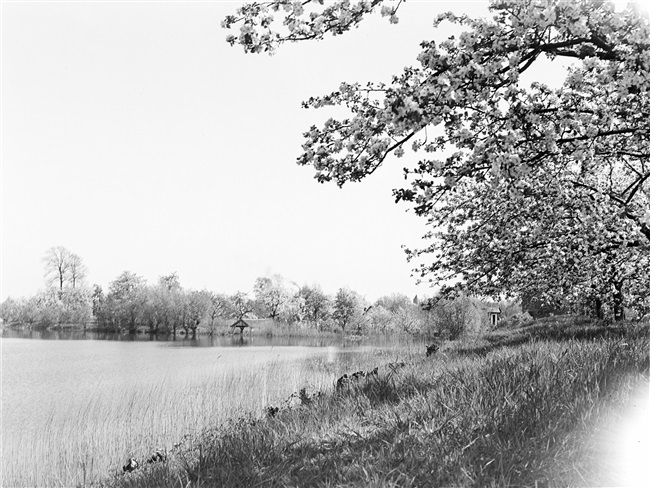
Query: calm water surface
column 46, row 372
column 53, row 370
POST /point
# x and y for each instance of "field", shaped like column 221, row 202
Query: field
column 545, row 406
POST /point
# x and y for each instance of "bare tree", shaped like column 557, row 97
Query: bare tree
column 63, row 266
column 76, row 270
column 57, row 265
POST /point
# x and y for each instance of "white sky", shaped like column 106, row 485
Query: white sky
column 134, row 136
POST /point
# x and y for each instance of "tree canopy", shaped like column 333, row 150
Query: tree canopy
column 524, row 187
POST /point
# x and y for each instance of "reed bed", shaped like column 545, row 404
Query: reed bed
column 89, row 439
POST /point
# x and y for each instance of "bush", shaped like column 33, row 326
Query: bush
column 515, row 321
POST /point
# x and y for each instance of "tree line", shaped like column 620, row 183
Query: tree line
column 165, row 307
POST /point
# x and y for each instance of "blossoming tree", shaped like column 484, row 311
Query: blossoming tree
column 525, row 188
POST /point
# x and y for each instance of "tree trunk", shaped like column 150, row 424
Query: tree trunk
column 618, row 309
column 598, row 308
column 133, row 328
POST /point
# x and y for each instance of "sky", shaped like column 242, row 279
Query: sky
column 134, row 136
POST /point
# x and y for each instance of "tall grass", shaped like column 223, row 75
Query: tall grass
column 85, row 440
column 509, row 415
column 84, row 444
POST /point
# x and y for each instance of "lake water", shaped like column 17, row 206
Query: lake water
column 64, row 369
column 98, row 399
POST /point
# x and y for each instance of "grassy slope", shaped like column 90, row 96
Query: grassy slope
column 517, row 409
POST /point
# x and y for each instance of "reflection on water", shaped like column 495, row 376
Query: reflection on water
column 230, row 340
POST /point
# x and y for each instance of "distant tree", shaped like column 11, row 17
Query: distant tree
column 380, row 318
column 399, row 313
column 171, row 302
column 394, row 302
column 126, row 285
column 57, row 265
column 154, row 308
column 30, row 311
column 241, row 305
column 170, row 282
column 49, row 308
column 409, row 318
column 63, row 267
column 347, row 307
column 125, row 300
column 217, row 307
column 77, row 306
column 10, row 311
column 270, row 293
column 454, row 317
column 294, row 309
column 76, row 270
column 198, row 304
column 316, row 304
column 98, row 299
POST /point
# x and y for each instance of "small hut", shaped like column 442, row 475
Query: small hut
column 493, row 315
column 241, row 324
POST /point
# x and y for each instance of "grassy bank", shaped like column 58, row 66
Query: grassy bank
column 524, row 408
